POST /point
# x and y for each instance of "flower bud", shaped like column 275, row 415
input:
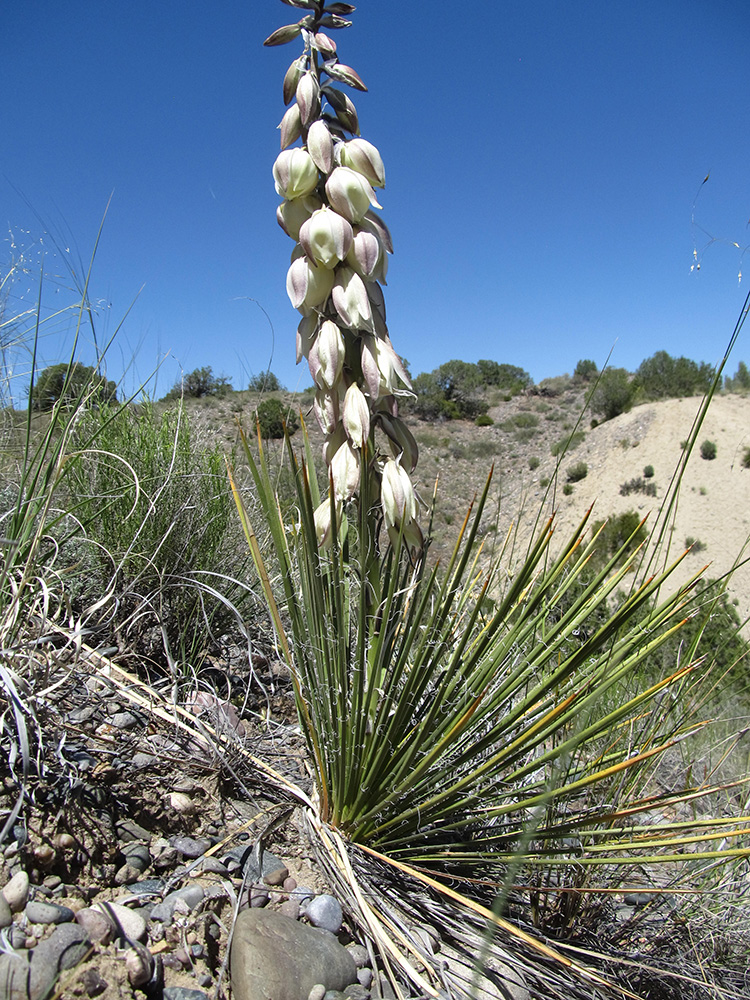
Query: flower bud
column 295, row 173
column 326, row 357
column 402, row 442
column 344, row 74
column 290, row 126
column 397, row 495
column 366, row 257
column 346, row 113
column 291, row 214
column 308, row 96
column 326, row 410
column 320, row 146
column 356, row 416
column 322, row 518
column 345, row 472
column 292, row 78
column 350, row 193
column 326, row 237
column 324, row 44
column 308, row 286
column 382, row 369
column 374, row 224
column 350, row 299
column 362, row 156
column 283, row 35
column 306, row 331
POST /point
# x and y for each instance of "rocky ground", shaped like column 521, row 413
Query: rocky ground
column 139, row 844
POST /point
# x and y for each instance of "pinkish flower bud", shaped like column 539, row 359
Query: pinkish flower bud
column 401, row 440
column 308, row 96
column 324, row 44
column 290, row 126
column 344, row 108
column 362, row 156
column 326, row 410
column 350, row 299
column 308, row 286
column 306, row 331
column 326, row 237
column 344, row 74
column 283, row 35
column 356, row 416
column 397, row 495
column 322, row 518
column 345, row 472
column 366, row 257
column 320, row 146
column 326, row 357
column 291, row 214
column 292, row 78
column 350, row 193
column 382, row 368
column 295, row 173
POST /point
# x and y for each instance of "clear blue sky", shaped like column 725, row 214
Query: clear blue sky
column 542, row 164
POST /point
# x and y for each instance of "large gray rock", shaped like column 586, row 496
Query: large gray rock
column 65, row 948
column 276, row 958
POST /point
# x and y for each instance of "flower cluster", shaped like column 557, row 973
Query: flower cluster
column 328, row 184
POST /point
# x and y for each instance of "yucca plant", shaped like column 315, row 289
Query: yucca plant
column 473, row 724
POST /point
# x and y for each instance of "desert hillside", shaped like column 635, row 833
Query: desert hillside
column 714, row 505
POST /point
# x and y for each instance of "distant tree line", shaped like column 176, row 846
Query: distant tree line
column 457, row 389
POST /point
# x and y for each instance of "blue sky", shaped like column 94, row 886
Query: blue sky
column 543, row 162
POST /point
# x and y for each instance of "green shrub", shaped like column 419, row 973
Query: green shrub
column 746, row 458
column 199, row 383
column 585, row 370
column 567, row 489
column 534, row 462
column 265, row 382
column 613, row 393
column 638, row 485
column 648, row 472
column 71, row 383
column 273, row 417
column 664, row 377
column 577, row 472
column 708, row 450
column 694, row 544
column 484, row 420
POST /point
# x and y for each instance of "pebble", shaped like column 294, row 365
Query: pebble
column 637, row 898
column 213, row 866
column 181, row 803
column 147, row 887
column 124, row 720
column 126, row 874
column 142, row 760
column 131, row 924
column 302, row 893
column 82, row 714
column 128, row 829
column 258, row 897
column 97, row 925
column 359, row 954
column 92, row 982
column 182, row 993
column 16, row 892
column 137, row 855
column 290, row 908
column 6, row 917
column 138, row 964
column 48, row 913
column 364, row 978
column 317, row 992
column 190, row 847
column 325, row 911
column 190, row 896
column 276, row 876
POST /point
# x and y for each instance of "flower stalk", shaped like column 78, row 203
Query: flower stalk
column 328, row 183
